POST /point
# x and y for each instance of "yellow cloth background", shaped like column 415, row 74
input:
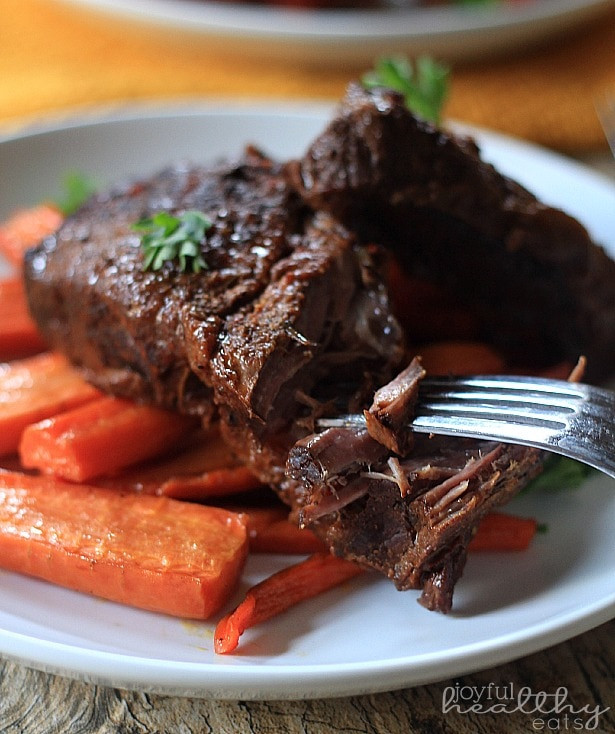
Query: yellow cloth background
column 57, row 58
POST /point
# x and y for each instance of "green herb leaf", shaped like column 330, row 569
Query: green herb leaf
column 423, row 84
column 169, row 238
column 560, row 473
column 77, row 189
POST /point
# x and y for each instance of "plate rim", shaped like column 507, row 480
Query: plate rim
column 341, row 37
column 339, row 24
column 153, row 674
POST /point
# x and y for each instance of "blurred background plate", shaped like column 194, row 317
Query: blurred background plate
column 357, row 36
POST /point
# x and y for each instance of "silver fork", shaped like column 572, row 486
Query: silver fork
column 567, row 418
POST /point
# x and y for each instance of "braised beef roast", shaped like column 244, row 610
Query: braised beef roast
column 540, row 289
column 410, row 518
column 289, row 314
column 290, row 320
column 408, row 514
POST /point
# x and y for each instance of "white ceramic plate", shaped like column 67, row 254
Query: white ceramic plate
column 357, row 36
column 364, row 637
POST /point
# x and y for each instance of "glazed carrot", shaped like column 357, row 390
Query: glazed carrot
column 200, row 452
column 270, row 531
column 202, row 468
column 35, row 388
column 559, row 371
column 500, row 532
column 215, row 483
column 149, row 552
column 277, row 593
column 203, row 451
column 19, row 335
column 282, row 536
column 461, row 358
column 25, row 228
column 260, row 518
column 100, row 438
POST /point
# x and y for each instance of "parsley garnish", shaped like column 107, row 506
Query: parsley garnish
column 423, row 84
column 168, row 238
column 560, row 473
column 77, row 188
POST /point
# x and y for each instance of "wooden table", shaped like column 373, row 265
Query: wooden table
column 582, row 669
column 32, row 702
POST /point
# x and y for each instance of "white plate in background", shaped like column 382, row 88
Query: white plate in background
column 366, row 636
column 349, row 36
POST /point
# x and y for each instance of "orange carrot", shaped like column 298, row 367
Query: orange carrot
column 260, row 518
column 100, row 437
column 559, row 371
column 500, row 532
column 25, row 228
column 19, row 335
column 204, row 467
column 285, row 537
column 150, row 552
column 214, row 483
column 280, row 535
column 277, row 593
column 201, row 451
column 460, row 358
column 270, row 531
column 35, row 388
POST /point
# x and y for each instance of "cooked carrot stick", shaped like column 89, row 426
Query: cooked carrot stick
column 461, row 358
column 215, row 483
column 284, row 537
column 281, row 536
column 277, row 593
column 500, row 532
column 35, row 388
column 270, row 531
column 204, row 467
column 25, row 228
column 100, row 438
column 201, row 451
column 19, row 335
column 559, row 371
column 150, row 552
column 260, row 518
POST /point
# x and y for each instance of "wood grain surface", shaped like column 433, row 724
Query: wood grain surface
column 583, row 669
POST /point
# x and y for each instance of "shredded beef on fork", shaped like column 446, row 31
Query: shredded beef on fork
column 408, row 516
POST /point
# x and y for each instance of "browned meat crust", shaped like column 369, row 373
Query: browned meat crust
column 541, row 289
column 289, row 318
column 412, row 516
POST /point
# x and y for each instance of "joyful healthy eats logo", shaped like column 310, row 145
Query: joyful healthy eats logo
column 546, row 711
